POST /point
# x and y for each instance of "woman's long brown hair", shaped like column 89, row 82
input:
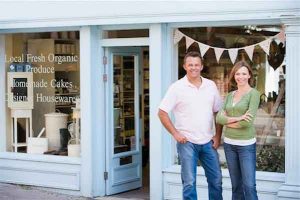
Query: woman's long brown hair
column 236, row 67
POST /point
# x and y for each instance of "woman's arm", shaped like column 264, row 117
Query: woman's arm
column 253, row 107
column 243, row 120
column 233, row 125
column 247, row 116
column 230, row 120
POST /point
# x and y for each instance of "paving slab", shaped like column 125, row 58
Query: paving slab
column 24, row 192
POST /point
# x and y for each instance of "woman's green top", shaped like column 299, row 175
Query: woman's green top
column 250, row 101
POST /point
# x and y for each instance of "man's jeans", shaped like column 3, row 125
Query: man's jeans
column 241, row 161
column 189, row 154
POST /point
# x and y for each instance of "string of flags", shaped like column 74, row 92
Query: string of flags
column 233, row 52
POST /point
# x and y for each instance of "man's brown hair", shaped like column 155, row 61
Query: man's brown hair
column 193, row 54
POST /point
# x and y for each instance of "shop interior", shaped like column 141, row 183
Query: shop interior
column 43, row 93
column 124, row 101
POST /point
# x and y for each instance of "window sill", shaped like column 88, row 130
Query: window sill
column 40, row 158
column 260, row 175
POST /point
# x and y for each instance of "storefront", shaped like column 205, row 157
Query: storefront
column 94, row 79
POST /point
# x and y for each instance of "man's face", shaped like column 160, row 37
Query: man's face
column 193, row 67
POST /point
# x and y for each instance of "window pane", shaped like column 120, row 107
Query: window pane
column 124, row 104
column 43, row 90
column 126, row 33
column 269, row 74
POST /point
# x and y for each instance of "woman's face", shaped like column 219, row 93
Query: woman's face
column 242, row 76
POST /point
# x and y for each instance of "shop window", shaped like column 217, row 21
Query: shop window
column 43, row 93
column 269, row 74
column 126, row 33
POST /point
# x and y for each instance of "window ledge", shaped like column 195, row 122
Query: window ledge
column 40, row 158
column 260, row 175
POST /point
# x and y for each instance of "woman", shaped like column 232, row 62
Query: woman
column 237, row 115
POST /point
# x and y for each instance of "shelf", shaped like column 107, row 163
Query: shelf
column 128, row 91
column 65, row 54
column 64, row 41
column 129, row 116
column 128, row 102
column 63, row 94
column 20, row 144
column 65, row 106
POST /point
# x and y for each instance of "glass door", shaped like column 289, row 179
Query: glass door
column 123, row 128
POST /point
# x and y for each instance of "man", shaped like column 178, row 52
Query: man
column 194, row 101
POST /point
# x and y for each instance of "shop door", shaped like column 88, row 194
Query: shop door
column 123, row 149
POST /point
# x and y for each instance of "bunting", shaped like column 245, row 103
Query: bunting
column 188, row 41
column 177, row 36
column 218, row 53
column 265, row 45
column 249, row 50
column 233, row 54
column 281, row 37
column 203, row 48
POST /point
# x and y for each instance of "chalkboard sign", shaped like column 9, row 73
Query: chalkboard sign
column 20, row 90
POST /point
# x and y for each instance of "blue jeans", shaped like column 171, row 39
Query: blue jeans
column 241, row 161
column 189, row 155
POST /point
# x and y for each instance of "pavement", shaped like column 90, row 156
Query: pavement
column 24, row 192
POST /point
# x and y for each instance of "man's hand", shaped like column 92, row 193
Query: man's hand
column 216, row 142
column 179, row 138
column 166, row 121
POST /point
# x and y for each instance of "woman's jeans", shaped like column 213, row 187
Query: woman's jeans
column 189, row 155
column 241, row 161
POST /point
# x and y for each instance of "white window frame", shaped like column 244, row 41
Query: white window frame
column 3, row 93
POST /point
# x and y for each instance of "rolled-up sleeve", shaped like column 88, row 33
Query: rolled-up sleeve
column 253, row 106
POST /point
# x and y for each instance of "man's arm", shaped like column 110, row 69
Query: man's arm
column 166, row 121
column 217, row 138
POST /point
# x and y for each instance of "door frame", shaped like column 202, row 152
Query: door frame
column 109, row 158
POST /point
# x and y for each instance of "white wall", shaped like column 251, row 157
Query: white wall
column 47, row 14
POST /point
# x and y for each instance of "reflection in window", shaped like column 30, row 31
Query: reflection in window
column 43, row 93
column 269, row 74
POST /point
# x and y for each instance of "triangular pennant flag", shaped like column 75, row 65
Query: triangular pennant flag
column 218, row 52
column 281, row 36
column 265, row 45
column 203, row 48
column 277, row 41
column 188, row 42
column 249, row 50
column 233, row 54
column 177, row 36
